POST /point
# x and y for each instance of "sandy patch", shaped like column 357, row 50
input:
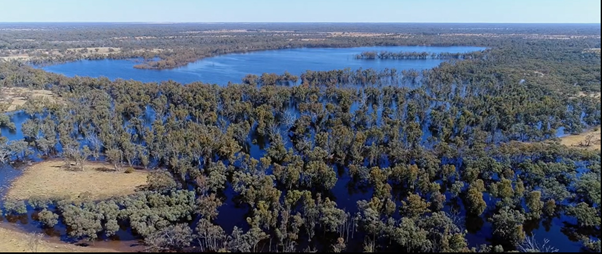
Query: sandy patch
column 51, row 179
column 14, row 240
column 14, row 97
column 580, row 140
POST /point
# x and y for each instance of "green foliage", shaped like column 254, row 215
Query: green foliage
column 550, row 207
column 14, row 207
column 508, row 225
column 586, row 215
column 414, row 206
column 160, row 180
column 48, row 218
column 476, row 204
column 588, row 187
column 39, row 202
column 534, row 204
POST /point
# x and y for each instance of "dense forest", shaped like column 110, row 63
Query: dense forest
column 438, row 153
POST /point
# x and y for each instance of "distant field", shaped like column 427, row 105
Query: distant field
column 29, row 54
column 50, row 179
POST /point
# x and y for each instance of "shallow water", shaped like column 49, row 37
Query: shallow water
column 233, row 67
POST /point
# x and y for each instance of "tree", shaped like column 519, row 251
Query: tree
column 48, row 218
column 414, row 206
column 508, row 225
column 535, row 204
column 210, row 237
column 476, row 205
column 172, row 238
column 115, row 157
column 586, row 215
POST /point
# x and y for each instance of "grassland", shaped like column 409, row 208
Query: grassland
column 50, row 179
column 14, row 240
column 14, row 97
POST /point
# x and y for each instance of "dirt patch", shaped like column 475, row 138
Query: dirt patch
column 591, row 137
column 14, row 97
column 14, row 240
column 50, row 179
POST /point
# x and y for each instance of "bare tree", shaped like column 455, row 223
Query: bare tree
column 4, row 154
column 95, row 144
column 530, row 244
column 588, row 140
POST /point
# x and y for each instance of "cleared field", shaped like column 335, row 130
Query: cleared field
column 580, row 140
column 13, row 240
column 12, row 98
column 50, row 179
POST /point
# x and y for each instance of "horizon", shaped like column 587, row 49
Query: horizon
column 287, row 22
column 308, row 11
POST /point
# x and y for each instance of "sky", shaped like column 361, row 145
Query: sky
column 419, row 11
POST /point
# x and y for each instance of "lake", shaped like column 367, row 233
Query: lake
column 233, row 67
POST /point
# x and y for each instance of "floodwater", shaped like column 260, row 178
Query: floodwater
column 233, row 67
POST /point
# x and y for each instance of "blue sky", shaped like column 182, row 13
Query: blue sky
column 451, row 11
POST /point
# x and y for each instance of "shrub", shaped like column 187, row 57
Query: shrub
column 15, row 207
column 48, row 218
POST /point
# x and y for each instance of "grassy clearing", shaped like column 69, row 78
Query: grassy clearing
column 14, row 97
column 50, row 179
column 580, row 140
column 14, row 240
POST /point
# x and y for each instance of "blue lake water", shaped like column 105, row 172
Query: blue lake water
column 233, row 67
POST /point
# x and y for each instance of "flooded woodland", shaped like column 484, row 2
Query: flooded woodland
column 399, row 141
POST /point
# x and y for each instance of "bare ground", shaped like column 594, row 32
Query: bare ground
column 579, row 140
column 50, row 179
column 14, row 240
